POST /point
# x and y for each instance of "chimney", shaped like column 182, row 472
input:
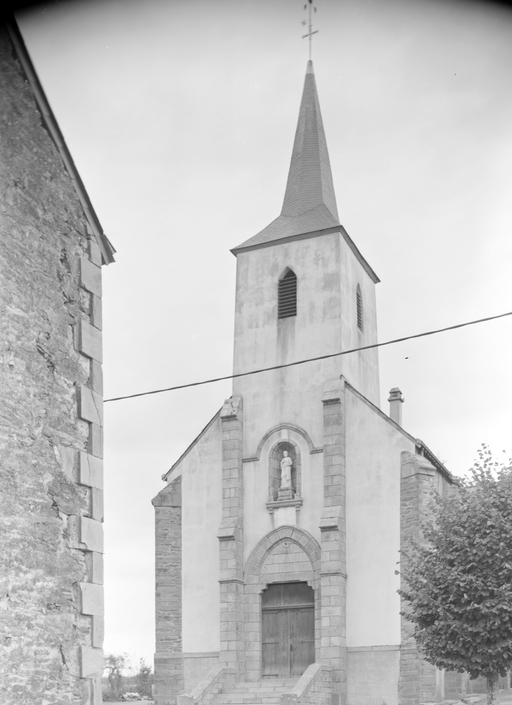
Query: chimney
column 395, row 405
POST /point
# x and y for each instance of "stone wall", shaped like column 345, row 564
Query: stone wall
column 230, row 537
column 196, row 666
column 417, row 678
column 334, row 546
column 169, row 681
column 372, row 675
column 51, row 472
column 419, row 681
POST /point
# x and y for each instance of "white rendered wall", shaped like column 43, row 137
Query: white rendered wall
column 373, row 447
column 201, row 471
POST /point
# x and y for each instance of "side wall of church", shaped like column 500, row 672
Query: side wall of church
column 374, row 447
column 51, row 471
column 201, row 471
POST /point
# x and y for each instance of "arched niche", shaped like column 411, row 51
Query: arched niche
column 274, row 468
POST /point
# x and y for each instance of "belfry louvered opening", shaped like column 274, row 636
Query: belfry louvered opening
column 287, row 295
column 359, row 304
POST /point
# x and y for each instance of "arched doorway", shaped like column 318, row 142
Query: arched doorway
column 288, row 629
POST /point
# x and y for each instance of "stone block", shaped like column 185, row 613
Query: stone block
column 228, row 528
column 90, row 470
column 92, row 662
column 330, row 520
column 94, row 562
column 90, row 276
column 96, row 692
column 91, row 534
column 98, row 631
column 232, row 409
column 95, row 442
column 90, row 341
column 334, row 390
column 90, row 405
column 94, row 252
column 96, row 312
column 96, row 377
column 91, row 599
column 288, row 699
column 97, row 504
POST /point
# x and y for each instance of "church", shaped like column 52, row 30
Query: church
column 278, row 530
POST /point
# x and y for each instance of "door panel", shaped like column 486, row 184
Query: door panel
column 275, row 651
column 288, row 630
column 302, row 640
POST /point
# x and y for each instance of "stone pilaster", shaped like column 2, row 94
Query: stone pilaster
column 417, row 678
column 231, row 539
column 333, row 540
column 169, row 681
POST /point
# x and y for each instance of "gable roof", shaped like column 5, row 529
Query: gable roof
column 420, row 447
column 167, row 475
column 94, row 225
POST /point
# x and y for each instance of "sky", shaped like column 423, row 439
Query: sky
column 180, row 117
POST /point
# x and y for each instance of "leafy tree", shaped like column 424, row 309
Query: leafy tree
column 115, row 665
column 143, row 678
column 458, row 576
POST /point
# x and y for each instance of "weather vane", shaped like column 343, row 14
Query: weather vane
column 310, row 33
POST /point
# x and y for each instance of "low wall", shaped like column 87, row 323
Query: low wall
column 314, row 687
column 218, row 679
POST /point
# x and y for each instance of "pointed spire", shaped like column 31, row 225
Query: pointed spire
column 309, row 179
column 309, row 203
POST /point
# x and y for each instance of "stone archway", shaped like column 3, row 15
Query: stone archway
column 286, row 554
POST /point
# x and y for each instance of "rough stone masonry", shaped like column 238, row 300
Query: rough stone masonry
column 51, row 475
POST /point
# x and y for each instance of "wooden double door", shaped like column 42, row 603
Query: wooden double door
column 288, row 629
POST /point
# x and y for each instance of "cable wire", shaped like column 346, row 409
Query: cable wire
column 310, row 359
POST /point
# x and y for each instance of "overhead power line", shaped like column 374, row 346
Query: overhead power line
column 310, row 359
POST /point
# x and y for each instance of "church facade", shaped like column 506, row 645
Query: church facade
column 278, row 530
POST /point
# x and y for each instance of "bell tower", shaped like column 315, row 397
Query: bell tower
column 303, row 291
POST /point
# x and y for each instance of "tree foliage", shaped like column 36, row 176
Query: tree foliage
column 143, row 678
column 457, row 579
column 115, row 664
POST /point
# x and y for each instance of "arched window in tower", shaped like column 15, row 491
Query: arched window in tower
column 359, row 305
column 287, row 295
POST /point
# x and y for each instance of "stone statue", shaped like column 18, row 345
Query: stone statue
column 286, row 471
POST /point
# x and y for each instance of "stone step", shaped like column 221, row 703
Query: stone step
column 270, row 689
column 248, row 701
column 266, row 692
column 236, row 698
column 265, row 685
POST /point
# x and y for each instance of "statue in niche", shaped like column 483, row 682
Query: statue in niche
column 286, row 472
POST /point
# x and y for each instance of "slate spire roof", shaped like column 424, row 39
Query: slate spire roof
column 309, row 202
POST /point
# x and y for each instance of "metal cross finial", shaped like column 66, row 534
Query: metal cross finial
column 309, row 5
